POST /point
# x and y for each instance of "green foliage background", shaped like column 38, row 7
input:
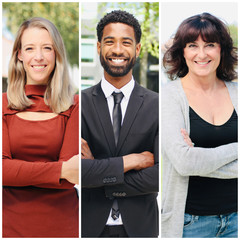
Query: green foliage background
column 234, row 34
column 148, row 15
column 65, row 16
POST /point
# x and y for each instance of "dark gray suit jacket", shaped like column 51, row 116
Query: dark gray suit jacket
column 103, row 178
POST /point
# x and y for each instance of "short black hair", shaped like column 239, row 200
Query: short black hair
column 119, row 16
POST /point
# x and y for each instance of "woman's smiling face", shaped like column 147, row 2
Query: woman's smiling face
column 202, row 58
column 37, row 55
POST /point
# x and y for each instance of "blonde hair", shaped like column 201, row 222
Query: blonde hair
column 59, row 93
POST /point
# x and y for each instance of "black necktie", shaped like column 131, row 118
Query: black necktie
column 117, row 114
column 117, row 120
column 115, row 210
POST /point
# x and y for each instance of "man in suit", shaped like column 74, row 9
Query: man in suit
column 120, row 185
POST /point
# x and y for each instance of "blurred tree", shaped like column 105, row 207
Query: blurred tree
column 234, row 34
column 65, row 16
column 148, row 15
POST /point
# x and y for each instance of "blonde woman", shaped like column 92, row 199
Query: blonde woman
column 40, row 137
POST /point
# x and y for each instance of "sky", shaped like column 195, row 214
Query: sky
column 173, row 13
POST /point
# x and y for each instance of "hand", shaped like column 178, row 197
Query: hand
column 186, row 138
column 70, row 170
column 145, row 160
column 138, row 161
column 85, row 150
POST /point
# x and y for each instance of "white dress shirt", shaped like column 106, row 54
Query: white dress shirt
column 108, row 89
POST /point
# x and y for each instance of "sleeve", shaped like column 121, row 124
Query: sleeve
column 109, row 173
column 102, row 171
column 227, row 171
column 17, row 172
column 99, row 173
column 190, row 161
column 141, row 182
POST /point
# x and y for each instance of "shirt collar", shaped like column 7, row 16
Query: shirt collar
column 108, row 88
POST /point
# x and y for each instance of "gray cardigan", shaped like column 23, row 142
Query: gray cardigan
column 179, row 161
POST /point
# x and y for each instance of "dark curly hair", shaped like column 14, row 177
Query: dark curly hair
column 118, row 16
column 211, row 29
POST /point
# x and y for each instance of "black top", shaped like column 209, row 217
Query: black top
column 211, row 196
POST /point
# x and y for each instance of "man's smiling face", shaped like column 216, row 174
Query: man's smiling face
column 118, row 49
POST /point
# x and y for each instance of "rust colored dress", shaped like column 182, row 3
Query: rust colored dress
column 36, row 202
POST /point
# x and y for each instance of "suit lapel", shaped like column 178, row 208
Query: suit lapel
column 101, row 107
column 134, row 104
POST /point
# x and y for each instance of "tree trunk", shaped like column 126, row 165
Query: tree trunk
column 143, row 69
column 144, row 59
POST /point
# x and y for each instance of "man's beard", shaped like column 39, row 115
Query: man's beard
column 117, row 71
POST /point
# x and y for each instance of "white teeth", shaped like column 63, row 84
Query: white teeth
column 118, row 60
column 38, row 67
column 202, row 63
